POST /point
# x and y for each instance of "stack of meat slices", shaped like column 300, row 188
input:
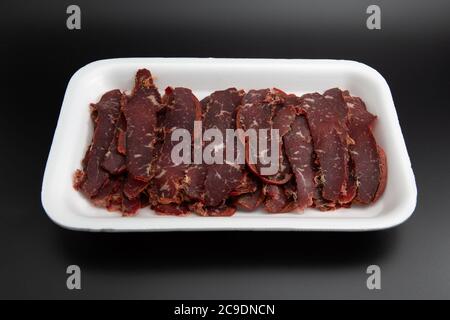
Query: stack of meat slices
column 328, row 155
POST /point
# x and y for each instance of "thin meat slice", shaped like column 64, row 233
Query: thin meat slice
column 212, row 184
column 224, row 210
column 220, row 113
column 248, row 184
column 383, row 174
column 182, row 109
column 130, row 206
column 284, row 116
column 327, row 119
column 279, row 199
column 105, row 114
column 195, row 182
column 299, row 151
column 196, row 173
column 171, row 209
column 337, row 98
column 114, row 161
column 109, row 195
column 368, row 158
column 133, row 187
column 140, row 112
column 258, row 109
column 250, row 201
column 220, row 181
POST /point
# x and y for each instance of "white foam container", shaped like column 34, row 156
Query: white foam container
column 69, row 209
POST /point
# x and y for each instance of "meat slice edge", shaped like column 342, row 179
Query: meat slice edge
column 140, row 111
column 105, row 114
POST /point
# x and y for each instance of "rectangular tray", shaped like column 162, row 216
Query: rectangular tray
column 69, row 209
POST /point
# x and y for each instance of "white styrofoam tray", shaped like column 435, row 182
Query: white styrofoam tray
column 68, row 208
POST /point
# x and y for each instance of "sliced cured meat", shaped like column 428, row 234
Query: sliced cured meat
column 171, row 209
column 224, row 210
column 279, row 199
column 211, row 184
column 248, row 184
column 114, row 161
column 130, row 206
column 290, row 140
column 220, row 114
column 250, row 201
column 133, row 187
column 383, row 174
column 259, row 111
column 109, row 195
column 347, row 195
column 368, row 158
column 196, row 173
column 112, row 198
column 195, row 182
column 105, row 114
column 140, row 112
column 182, row 109
column 327, row 155
column 299, row 151
column 220, row 181
column 327, row 119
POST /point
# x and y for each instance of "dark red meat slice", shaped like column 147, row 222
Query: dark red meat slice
column 114, row 161
column 196, row 173
column 224, row 210
column 171, row 209
column 299, row 151
column 327, row 119
column 182, row 109
column 248, row 184
column 220, row 182
column 211, row 184
column 220, row 113
column 195, row 182
column 383, row 174
column 121, row 142
column 112, row 198
column 279, row 199
column 258, row 111
column 109, row 194
column 250, row 201
column 347, row 198
column 105, row 114
column 133, row 187
column 368, row 158
column 140, row 112
column 130, row 206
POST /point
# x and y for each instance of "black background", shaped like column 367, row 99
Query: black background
column 39, row 55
